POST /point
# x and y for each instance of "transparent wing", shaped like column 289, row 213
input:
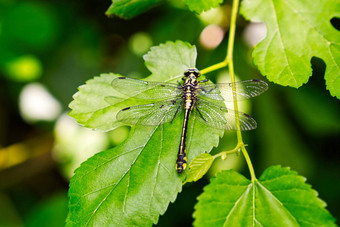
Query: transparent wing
column 151, row 114
column 244, row 90
column 141, row 89
column 221, row 117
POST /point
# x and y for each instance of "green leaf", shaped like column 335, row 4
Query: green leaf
column 128, row 9
column 296, row 31
column 199, row 6
column 198, row 167
column 133, row 183
column 96, row 103
column 279, row 198
column 168, row 61
column 89, row 107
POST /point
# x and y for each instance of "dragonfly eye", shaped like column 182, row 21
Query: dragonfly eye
column 197, row 73
column 192, row 71
column 187, row 73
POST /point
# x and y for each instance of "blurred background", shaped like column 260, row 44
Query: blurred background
column 49, row 48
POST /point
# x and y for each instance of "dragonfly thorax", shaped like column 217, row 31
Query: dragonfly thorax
column 190, row 81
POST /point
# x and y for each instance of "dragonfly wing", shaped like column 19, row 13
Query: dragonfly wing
column 151, row 114
column 224, row 91
column 141, row 89
column 221, row 117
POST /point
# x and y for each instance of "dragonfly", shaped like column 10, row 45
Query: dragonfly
column 193, row 96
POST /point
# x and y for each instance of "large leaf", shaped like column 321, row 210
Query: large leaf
column 199, row 6
column 133, row 183
column 128, row 9
column 296, row 31
column 279, row 198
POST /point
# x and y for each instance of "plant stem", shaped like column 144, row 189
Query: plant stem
column 214, row 67
column 229, row 59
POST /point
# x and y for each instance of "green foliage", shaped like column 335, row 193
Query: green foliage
column 51, row 212
column 296, row 31
column 198, row 167
column 280, row 143
column 310, row 105
column 199, row 6
column 37, row 32
column 133, row 183
column 128, row 9
column 279, row 198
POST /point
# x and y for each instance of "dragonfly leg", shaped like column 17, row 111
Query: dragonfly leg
column 203, row 81
column 200, row 114
column 179, row 106
column 208, row 90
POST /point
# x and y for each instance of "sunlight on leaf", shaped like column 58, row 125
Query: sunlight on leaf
column 296, row 31
column 198, row 167
column 168, row 61
column 279, row 198
column 89, row 106
column 202, row 5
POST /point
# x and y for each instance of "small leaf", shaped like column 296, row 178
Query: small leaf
column 198, row 167
column 296, row 31
column 202, row 5
column 279, row 198
column 128, row 9
column 133, row 183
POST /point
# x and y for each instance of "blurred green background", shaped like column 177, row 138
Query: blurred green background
column 49, row 48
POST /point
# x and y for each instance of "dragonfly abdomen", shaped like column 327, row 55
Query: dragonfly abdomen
column 181, row 156
column 181, row 163
column 189, row 96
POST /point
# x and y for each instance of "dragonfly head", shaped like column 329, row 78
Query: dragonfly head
column 191, row 72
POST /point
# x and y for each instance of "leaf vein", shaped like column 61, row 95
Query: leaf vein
column 99, row 205
column 157, row 169
column 236, row 203
column 109, row 160
column 281, row 42
column 277, row 200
